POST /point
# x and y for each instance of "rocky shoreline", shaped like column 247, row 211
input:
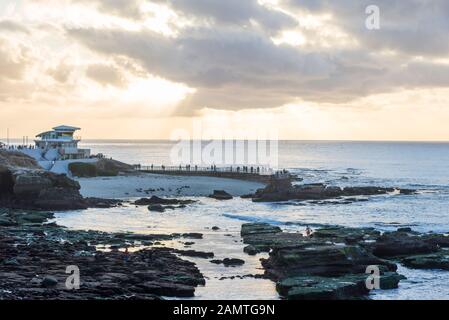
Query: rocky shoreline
column 34, row 256
column 25, row 185
column 332, row 262
column 279, row 190
column 329, row 264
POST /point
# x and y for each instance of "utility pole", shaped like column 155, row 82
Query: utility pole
column 7, row 136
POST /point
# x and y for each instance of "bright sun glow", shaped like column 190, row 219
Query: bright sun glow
column 294, row 38
column 44, row 70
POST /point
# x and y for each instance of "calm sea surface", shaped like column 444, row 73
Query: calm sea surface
column 422, row 166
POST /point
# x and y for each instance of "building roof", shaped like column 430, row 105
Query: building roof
column 44, row 133
column 66, row 128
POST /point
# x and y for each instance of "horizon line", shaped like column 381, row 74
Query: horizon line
column 239, row 139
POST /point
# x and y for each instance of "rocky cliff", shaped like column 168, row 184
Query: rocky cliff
column 24, row 185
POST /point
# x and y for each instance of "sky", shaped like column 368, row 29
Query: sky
column 292, row 69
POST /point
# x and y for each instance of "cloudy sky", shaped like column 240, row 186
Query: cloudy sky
column 144, row 69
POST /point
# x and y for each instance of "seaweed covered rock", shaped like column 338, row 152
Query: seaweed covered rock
column 258, row 228
column 399, row 243
column 321, row 288
column 438, row 260
column 156, row 208
column 229, row 262
column 265, row 242
column 441, row 240
column 335, row 288
column 158, row 204
column 323, row 260
column 83, row 169
column 220, row 195
column 346, row 235
column 99, row 168
column 282, row 189
column 155, row 200
column 33, row 260
column 330, row 264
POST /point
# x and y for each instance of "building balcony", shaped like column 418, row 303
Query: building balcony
column 59, row 139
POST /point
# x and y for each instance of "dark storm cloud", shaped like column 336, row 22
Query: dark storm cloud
column 235, row 66
column 125, row 8
column 236, row 12
column 232, row 69
column 413, row 27
column 106, row 74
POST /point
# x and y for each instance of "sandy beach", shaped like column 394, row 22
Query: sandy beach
column 162, row 185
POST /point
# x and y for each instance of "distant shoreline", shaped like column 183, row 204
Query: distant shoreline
column 95, row 140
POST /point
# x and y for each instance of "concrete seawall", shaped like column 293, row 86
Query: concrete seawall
column 217, row 174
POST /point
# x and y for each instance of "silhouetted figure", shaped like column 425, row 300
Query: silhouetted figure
column 126, row 255
column 308, row 231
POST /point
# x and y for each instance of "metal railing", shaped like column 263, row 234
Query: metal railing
column 60, row 138
column 254, row 170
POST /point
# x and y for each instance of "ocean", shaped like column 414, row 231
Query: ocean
column 416, row 165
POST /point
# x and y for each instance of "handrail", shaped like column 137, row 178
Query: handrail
column 79, row 138
column 251, row 170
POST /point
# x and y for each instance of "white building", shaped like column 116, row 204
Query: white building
column 60, row 144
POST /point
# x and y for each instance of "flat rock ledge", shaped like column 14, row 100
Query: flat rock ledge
column 283, row 190
column 332, row 263
column 158, row 204
column 34, row 255
column 330, row 288
column 220, row 195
